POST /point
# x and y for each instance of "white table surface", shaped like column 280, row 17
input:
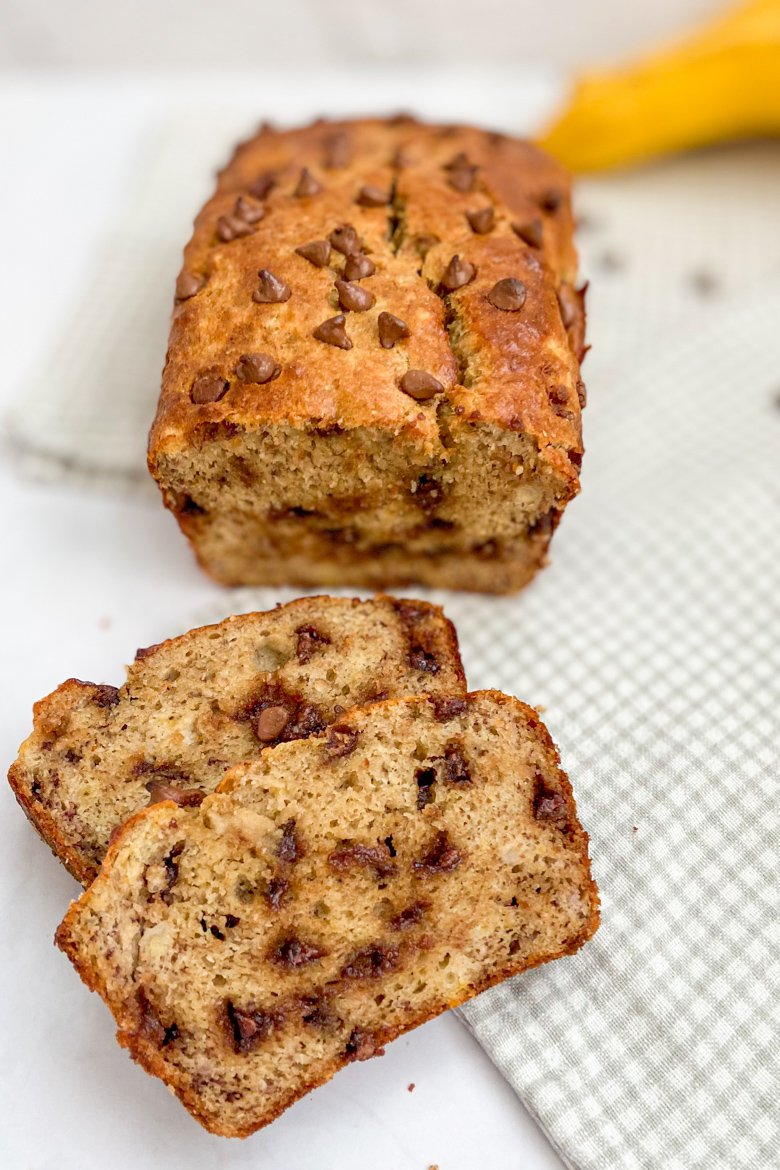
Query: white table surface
column 86, row 578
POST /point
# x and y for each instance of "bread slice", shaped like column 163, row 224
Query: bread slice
column 194, row 706
column 331, row 895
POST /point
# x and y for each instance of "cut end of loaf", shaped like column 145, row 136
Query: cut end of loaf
column 330, row 896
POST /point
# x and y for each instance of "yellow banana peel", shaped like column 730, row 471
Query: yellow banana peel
column 717, row 84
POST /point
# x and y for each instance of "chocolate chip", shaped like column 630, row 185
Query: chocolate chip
column 531, row 233
column 208, row 388
column 425, row 778
column 307, row 185
column 277, row 888
column 353, row 297
column 341, row 741
column 428, row 493
column 424, row 660
column 171, row 864
column 292, row 952
column 183, row 797
column 548, row 804
column 289, row 848
column 458, row 161
column 445, row 709
column 247, row 1026
column 441, row 857
column 558, row 395
column 247, row 211
column 410, row 916
column 358, row 266
column 423, row 244
column 420, row 385
column 270, row 290
column 457, row 273
column 317, row 252
column 575, row 458
column 582, row 394
column 375, row 857
column 146, row 651
column 482, row 221
column 232, row 227
column 319, row 1012
column 332, row 332
column 371, row 962
column 371, row 196
column 551, row 199
column 507, row 294
column 231, row 921
column 263, row 184
column 310, row 640
column 270, row 723
column 456, row 770
column 345, row 239
column 462, row 173
column 105, row 695
column 362, row 1046
column 570, row 305
column 217, row 933
column 257, row 368
column 336, row 151
column 391, row 329
column 187, row 285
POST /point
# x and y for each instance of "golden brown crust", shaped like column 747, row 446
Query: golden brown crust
column 53, row 713
column 133, row 1035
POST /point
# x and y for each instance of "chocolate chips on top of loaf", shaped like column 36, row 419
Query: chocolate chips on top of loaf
column 420, row 384
column 481, row 221
column 462, row 173
column 188, row 285
column 353, row 297
column 358, row 266
column 345, row 240
column 207, row 388
column 333, row 332
column 391, row 329
column 270, row 289
column 531, row 233
column 371, row 196
column 317, row 252
column 307, row 185
column 508, row 294
column 257, row 367
column 457, row 274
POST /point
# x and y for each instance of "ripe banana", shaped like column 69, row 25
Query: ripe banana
column 719, row 83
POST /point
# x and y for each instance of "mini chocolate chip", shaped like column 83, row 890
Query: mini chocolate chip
column 426, row 778
column 217, row 933
column 441, row 857
column 457, row 273
column 570, row 306
column 270, row 723
column 232, row 227
column 507, row 294
column 582, row 394
column 548, row 804
column 423, row 244
column 231, row 920
column 332, row 332
column 249, row 212
column 357, row 266
column 391, row 329
column 551, row 199
column 262, row 185
column 531, row 233
column 456, row 770
column 309, row 641
column 341, row 741
column 307, row 185
column 293, row 952
column 371, row 196
column 420, row 385
column 336, row 151
column 462, row 174
column 317, row 252
column 482, row 221
column 247, row 1026
column 105, row 695
column 362, row 856
column 558, row 395
column 208, row 388
column 257, row 368
column 410, row 916
column 371, row 962
column 171, row 864
column 445, row 709
column 424, row 660
column 353, row 297
column 289, row 848
column 270, row 290
column 187, row 285
column 345, row 239
column 183, row 797
column 362, row 1046
column 277, row 888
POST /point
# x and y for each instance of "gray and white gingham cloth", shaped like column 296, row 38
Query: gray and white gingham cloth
column 652, row 643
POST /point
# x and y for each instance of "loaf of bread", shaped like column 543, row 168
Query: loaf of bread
column 198, row 704
column 373, row 369
column 332, row 894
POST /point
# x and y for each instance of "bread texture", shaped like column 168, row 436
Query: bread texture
column 196, row 705
column 373, row 374
column 331, row 895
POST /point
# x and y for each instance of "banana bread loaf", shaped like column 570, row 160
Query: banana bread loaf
column 194, row 706
column 373, row 368
column 331, row 895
